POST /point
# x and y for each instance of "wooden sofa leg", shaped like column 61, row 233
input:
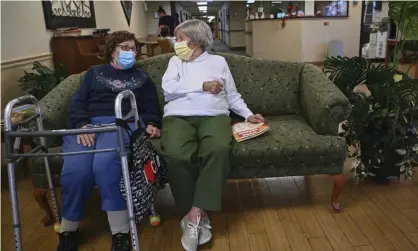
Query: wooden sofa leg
column 40, row 196
column 339, row 181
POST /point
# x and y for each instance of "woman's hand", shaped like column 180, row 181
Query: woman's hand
column 153, row 131
column 257, row 118
column 86, row 139
column 214, row 87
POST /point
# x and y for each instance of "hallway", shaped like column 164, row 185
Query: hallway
column 219, row 46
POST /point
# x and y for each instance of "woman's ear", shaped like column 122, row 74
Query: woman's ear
column 115, row 54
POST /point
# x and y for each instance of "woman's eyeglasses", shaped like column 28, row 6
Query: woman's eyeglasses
column 127, row 48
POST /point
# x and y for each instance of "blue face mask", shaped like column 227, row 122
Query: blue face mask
column 126, row 59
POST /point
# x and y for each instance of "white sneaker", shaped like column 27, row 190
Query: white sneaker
column 190, row 238
column 205, row 233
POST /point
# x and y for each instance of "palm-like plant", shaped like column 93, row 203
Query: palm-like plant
column 381, row 125
column 404, row 14
column 384, row 120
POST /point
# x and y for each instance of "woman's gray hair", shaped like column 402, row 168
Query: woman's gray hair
column 198, row 31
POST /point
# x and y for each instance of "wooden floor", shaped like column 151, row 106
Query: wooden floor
column 280, row 214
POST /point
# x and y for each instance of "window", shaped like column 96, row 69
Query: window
column 331, row 8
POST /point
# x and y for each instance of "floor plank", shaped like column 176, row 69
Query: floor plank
column 365, row 248
column 320, row 244
column 283, row 214
column 293, row 230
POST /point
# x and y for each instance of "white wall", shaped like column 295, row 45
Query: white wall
column 24, row 38
column 23, row 21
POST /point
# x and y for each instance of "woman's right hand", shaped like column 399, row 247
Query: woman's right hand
column 214, row 87
column 86, row 139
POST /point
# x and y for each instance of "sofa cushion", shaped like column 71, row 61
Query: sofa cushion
column 289, row 148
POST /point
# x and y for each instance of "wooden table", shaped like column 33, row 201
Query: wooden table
column 151, row 45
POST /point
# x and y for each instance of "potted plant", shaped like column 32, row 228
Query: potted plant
column 41, row 80
column 382, row 128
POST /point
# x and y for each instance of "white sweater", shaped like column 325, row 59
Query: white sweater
column 182, row 85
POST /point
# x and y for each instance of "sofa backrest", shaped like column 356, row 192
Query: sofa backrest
column 268, row 87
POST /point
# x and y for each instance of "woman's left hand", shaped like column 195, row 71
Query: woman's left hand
column 153, row 131
column 257, row 118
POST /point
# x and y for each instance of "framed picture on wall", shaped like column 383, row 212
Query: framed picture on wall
column 127, row 9
column 65, row 14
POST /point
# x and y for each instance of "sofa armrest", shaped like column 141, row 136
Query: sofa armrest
column 323, row 105
column 54, row 106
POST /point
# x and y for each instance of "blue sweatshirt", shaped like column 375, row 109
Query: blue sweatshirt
column 97, row 94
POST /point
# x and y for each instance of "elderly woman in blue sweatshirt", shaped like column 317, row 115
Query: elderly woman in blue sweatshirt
column 93, row 104
column 196, row 132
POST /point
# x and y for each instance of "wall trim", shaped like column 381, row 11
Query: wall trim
column 26, row 60
column 232, row 30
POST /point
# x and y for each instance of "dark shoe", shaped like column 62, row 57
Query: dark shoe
column 121, row 242
column 68, row 241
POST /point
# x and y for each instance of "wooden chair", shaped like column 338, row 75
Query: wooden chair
column 165, row 46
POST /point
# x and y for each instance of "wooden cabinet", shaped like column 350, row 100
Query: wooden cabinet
column 78, row 53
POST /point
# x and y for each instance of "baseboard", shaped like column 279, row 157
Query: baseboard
column 25, row 61
column 239, row 48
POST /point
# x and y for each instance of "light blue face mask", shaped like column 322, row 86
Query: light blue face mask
column 126, row 59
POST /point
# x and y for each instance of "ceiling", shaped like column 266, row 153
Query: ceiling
column 213, row 7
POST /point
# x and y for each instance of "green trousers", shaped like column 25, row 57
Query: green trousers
column 197, row 153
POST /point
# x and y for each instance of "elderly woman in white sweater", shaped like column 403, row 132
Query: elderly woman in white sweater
column 196, row 134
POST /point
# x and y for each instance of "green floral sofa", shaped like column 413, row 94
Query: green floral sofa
column 302, row 107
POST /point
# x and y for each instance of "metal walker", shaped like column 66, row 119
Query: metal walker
column 14, row 131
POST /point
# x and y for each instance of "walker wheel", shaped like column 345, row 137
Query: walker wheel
column 155, row 221
column 57, row 228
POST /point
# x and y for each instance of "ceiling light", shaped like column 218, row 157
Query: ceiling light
column 202, row 3
column 250, row 1
column 204, row 11
column 203, row 7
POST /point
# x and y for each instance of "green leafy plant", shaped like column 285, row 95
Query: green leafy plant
column 383, row 122
column 404, row 14
column 41, row 80
column 382, row 127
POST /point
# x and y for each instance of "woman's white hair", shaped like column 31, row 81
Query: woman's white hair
column 198, row 31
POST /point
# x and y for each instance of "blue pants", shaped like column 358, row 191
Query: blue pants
column 81, row 172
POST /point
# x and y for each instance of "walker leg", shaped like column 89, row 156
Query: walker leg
column 125, row 173
column 15, row 209
column 124, row 161
column 154, row 218
column 57, row 225
column 132, row 225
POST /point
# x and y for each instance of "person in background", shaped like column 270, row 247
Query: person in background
column 165, row 20
column 196, row 134
column 165, row 34
column 93, row 104
column 176, row 20
column 292, row 9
